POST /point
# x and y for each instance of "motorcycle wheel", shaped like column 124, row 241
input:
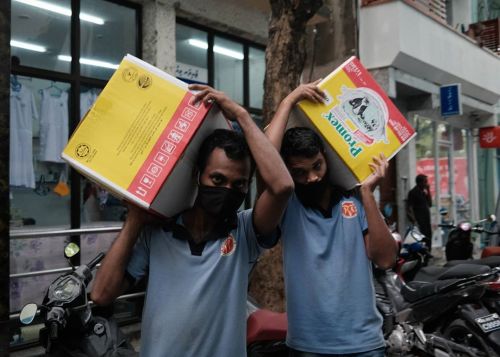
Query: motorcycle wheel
column 458, row 331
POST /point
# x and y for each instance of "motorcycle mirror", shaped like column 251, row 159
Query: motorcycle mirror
column 71, row 250
column 28, row 313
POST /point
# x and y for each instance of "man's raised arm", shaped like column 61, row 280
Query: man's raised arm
column 277, row 181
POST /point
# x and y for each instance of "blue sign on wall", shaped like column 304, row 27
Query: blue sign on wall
column 451, row 101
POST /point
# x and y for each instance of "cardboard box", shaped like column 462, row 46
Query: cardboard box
column 141, row 137
column 357, row 122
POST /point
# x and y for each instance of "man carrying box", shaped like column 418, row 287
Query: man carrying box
column 330, row 239
column 197, row 263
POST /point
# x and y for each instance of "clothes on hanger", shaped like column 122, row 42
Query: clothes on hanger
column 53, row 125
column 15, row 85
column 87, row 99
column 53, row 90
column 22, row 113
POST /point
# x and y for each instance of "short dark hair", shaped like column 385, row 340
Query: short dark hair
column 301, row 141
column 420, row 179
column 232, row 142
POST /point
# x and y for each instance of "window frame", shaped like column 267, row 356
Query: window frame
column 76, row 81
column 211, row 34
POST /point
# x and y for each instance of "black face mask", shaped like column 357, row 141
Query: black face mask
column 310, row 194
column 220, row 202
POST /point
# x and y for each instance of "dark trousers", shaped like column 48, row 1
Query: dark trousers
column 379, row 352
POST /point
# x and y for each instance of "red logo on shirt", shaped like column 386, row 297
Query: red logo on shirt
column 349, row 209
column 228, row 246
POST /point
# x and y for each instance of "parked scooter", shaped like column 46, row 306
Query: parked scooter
column 71, row 330
column 266, row 332
column 440, row 318
column 459, row 245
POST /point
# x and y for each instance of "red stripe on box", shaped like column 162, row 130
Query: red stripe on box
column 167, row 150
column 362, row 78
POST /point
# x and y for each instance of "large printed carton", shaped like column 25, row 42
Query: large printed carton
column 357, row 121
column 141, row 137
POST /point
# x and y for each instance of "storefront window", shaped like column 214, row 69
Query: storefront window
column 257, row 70
column 42, row 115
column 40, row 33
column 228, row 68
column 191, row 51
column 39, row 178
column 107, row 34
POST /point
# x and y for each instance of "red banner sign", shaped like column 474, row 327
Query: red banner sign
column 489, row 137
column 426, row 167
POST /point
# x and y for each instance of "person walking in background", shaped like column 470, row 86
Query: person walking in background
column 418, row 207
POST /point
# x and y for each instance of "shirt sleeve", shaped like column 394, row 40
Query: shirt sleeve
column 255, row 242
column 138, row 264
column 34, row 110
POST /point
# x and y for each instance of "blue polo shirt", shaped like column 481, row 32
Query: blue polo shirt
column 328, row 279
column 195, row 303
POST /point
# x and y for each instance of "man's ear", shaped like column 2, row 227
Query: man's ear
column 195, row 175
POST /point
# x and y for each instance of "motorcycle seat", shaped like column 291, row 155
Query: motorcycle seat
column 491, row 261
column 433, row 273
column 417, row 290
column 265, row 325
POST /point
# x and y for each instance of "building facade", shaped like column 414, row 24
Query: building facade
column 60, row 62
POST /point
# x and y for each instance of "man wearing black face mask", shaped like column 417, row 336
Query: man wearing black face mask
column 335, row 235
column 197, row 263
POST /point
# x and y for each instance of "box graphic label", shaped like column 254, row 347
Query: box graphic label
column 167, row 149
column 357, row 119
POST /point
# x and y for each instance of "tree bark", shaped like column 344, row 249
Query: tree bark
column 286, row 49
column 285, row 59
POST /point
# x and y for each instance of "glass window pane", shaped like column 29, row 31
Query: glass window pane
column 39, row 178
column 461, row 177
column 228, row 68
column 257, row 63
column 424, row 153
column 107, row 34
column 41, row 33
column 191, row 54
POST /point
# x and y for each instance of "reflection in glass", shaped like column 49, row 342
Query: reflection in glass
column 106, row 40
column 39, row 131
column 257, row 63
column 191, row 53
column 443, row 132
column 461, row 177
column 445, row 199
column 424, row 152
column 228, row 68
column 39, row 34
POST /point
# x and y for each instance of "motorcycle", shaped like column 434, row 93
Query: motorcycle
column 459, row 245
column 71, row 329
column 266, row 332
column 442, row 318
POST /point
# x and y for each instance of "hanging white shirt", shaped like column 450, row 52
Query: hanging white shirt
column 53, row 125
column 87, row 99
column 22, row 112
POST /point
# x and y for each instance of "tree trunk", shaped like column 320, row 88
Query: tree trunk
column 285, row 58
column 286, row 49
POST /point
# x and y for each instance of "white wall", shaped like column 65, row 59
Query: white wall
column 397, row 35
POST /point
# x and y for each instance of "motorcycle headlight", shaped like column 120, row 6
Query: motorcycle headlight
column 65, row 290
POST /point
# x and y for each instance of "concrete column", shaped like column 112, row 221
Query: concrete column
column 158, row 27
